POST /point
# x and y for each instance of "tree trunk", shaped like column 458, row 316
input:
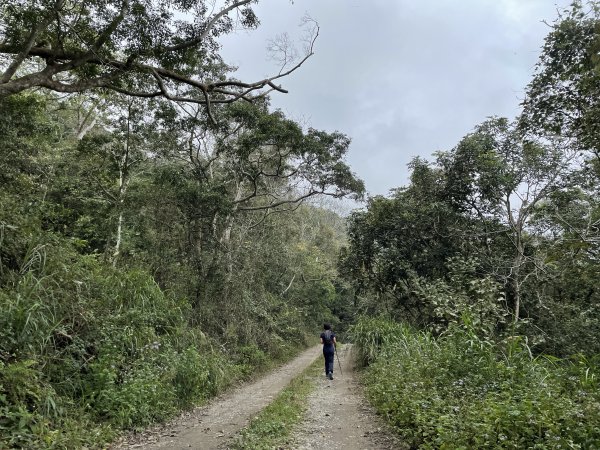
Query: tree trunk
column 123, row 163
column 516, row 275
column 123, row 181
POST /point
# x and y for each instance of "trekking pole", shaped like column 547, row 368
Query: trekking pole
column 338, row 358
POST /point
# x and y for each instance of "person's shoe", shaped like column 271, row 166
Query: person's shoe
column 326, row 374
column 331, row 375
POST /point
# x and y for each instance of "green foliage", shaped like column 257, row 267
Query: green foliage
column 374, row 335
column 25, row 404
column 520, row 213
column 462, row 391
column 251, row 356
column 26, row 132
column 143, row 268
column 563, row 96
column 504, row 224
column 86, row 348
column 202, row 294
column 396, row 239
column 464, row 300
column 109, row 44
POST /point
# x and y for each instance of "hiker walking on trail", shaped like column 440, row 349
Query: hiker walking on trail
column 329, row 343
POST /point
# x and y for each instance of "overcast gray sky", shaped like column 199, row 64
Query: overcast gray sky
column 401, row 78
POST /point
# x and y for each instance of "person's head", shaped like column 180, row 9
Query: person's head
column 326, row 326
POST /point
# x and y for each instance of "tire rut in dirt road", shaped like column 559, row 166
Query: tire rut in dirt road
column 339, row 417
column 211, row 426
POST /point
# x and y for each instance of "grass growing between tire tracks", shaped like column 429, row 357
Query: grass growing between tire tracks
column 272, row 427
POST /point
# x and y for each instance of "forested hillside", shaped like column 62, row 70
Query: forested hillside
column 485, row 271
column 144, row 267
column 152, row 251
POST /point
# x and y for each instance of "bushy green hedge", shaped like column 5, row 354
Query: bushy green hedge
column 461, row 392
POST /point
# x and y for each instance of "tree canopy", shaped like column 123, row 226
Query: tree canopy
column 141, row 48
column 563, row 97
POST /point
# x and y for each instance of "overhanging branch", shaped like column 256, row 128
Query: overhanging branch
column 152, row 80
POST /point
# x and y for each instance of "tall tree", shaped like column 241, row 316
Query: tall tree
column 496, row 174
column 563, row 97
column 398, row 239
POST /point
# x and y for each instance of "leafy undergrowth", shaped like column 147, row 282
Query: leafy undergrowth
column 459, row 391
column 272, row 427
column 87, row 351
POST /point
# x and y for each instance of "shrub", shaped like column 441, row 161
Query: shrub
column 459, row 391
column 373, row 336
column 87, row 350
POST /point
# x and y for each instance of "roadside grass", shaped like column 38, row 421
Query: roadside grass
column 461, row 391
column 271, row 428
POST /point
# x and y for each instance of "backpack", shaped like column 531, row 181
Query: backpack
column 328, row 337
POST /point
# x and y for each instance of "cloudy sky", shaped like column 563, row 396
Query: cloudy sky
column 400, row 77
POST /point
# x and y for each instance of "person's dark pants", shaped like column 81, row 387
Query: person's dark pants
column 328, row 354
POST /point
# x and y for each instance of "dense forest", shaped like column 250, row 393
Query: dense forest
column 165, row 232
column 152, row 252
column 485, row 270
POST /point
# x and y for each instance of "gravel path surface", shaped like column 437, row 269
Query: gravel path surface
column 339, row 417
column 210, row 426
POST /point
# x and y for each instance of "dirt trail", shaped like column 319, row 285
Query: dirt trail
column 210, row 426
column 338, row 416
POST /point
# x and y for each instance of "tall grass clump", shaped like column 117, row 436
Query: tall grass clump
column 87, row 350
column 376, row 336
column 460, row 390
